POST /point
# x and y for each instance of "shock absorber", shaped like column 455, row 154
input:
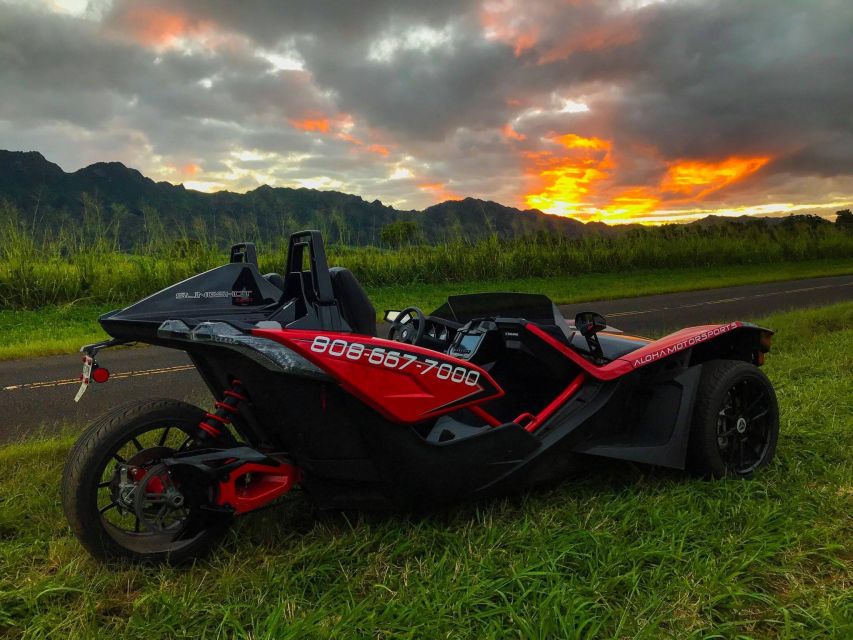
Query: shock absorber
column 214, row 423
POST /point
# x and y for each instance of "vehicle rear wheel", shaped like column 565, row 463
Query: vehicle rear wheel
column 735, row 421
column 121, row 503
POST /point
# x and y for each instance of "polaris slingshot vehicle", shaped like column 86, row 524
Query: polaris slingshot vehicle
column 488, row 393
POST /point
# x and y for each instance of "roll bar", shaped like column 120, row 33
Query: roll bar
column 320, row 279
column 314, row 286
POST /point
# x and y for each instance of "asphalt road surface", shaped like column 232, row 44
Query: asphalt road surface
column 36, row 395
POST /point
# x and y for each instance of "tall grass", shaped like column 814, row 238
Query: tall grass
column 84, row 262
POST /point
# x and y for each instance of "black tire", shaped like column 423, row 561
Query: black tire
column 83, row 479
column 735, row 421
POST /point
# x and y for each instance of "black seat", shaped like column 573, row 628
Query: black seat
column 353, row 303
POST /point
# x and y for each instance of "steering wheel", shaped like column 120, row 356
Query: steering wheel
column 408, row 327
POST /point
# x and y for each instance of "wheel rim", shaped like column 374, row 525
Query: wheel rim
column 744, row 426
column 141, row 450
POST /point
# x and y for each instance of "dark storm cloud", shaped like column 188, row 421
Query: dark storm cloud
column 79, row 89
column 65, row 60
column 695, row 76
column 194, row 81
column 56, row 68
column 714, row 78
column 337, row 23
column 423, row 93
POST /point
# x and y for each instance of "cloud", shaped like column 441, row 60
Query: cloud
column 158, row 26
column 598, row 109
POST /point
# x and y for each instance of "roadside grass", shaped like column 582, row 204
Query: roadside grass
column 50, row 330
column 87, row 261
column 624, row 551
column 63, row 329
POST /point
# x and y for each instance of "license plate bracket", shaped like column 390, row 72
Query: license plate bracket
column 86, row 377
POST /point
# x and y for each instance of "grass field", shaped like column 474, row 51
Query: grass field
column 624, row 552
column 85, row 264
column 64, row 328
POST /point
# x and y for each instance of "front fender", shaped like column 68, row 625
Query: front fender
column 733, row 341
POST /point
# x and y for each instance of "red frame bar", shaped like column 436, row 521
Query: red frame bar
column 602, row 373
column 557, row 402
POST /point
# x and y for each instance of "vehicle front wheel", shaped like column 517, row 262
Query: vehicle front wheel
column 735, row 421
column 121, row 503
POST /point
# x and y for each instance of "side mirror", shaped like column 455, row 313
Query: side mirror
column 391, row 315
column 589, row 323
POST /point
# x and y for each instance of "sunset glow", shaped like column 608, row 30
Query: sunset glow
column 503, row 22
column 190, row 169
column 697, row 179
column 378, row 149
column 512, row 134
column 320, row 124
column 579, row 182
column 439, row 190
column 632, row 204
column 158, row 27
column 563, row 180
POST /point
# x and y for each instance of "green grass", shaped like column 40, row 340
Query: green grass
column 86, row 263
column 64, row 328
column 49, row 331
column 626, row 552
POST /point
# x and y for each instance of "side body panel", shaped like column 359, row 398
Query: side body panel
column 349, row 455
column 402, row 382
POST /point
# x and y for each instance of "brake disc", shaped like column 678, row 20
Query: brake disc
column 125, row 480
column 158, row 503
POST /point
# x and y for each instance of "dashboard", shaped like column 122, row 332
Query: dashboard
column 478, row 341
column 466, row 343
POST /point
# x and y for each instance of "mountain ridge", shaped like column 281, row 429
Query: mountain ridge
column 28, row 180
column 54, row 197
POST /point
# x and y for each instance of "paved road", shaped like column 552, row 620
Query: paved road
column 37, row 394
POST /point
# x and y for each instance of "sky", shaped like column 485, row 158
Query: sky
column 612, row 110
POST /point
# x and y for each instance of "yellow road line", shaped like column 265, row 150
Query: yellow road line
column 116, row 376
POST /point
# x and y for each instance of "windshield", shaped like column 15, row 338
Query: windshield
column 531, row 306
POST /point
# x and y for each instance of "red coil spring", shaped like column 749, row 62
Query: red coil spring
column 224, row 410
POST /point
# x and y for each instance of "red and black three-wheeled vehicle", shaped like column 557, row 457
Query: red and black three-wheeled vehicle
column 488, row 393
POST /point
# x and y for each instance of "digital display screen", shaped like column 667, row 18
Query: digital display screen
column 469, row 343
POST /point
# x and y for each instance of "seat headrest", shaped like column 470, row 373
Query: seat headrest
column 353, row 303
